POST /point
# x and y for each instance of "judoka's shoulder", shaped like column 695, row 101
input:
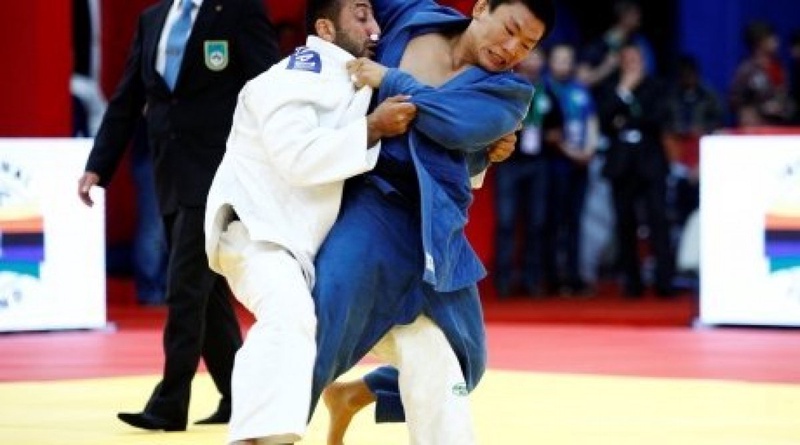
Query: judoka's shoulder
column 302, row 66
column 282, row 83
column 305, row 59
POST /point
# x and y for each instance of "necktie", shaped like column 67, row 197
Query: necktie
column 176, row 43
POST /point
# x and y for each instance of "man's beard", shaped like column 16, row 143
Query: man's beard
column 350, row 45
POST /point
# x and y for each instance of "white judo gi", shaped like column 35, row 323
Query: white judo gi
column 299, row 130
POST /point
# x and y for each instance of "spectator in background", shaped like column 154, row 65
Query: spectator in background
column 567, row 173
column 693, row 110
column 759, row 93
column 187, row 63
column 600, row 61
column 794, row 70
column 598, row 69
column 693, row 107
column 633, row 116
column 521, row 188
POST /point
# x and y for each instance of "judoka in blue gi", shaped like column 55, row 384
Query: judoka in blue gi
column 396, row 271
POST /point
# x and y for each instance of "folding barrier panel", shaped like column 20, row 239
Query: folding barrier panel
column 750, row 230
column 52, row 259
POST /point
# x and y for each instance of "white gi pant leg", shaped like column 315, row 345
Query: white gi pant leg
column 272, row 374
column 432, row 385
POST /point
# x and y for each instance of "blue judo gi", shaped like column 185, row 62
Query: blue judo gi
column 398, row 249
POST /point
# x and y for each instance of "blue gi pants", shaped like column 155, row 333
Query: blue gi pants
column 369, row 278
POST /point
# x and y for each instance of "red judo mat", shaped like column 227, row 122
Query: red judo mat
column 132, row 343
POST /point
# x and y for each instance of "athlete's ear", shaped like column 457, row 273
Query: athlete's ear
column 480, row 7
column 325, row 29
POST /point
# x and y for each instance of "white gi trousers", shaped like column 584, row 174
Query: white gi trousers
column 272, row 374
column 431, row 383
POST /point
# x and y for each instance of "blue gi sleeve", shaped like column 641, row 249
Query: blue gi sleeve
column 466, row 118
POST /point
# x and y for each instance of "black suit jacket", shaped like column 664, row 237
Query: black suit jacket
column 187, row 127
column 647, row 115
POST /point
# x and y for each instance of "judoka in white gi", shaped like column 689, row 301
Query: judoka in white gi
column 299, row 130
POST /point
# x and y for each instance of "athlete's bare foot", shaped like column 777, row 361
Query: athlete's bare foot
column 343, row 401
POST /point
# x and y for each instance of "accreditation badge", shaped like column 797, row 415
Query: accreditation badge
column 216, row 54
column 530, row 141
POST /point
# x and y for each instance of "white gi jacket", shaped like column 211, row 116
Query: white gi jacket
column 299, row 130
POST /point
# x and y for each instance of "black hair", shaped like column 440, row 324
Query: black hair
column 544, row 10
column 756, row 32
column 321, row 9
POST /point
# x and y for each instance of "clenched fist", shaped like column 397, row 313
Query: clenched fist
column 390, row 118
column 364, row 71
column 502, row 148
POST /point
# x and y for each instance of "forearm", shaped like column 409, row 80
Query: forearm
column 465, row 119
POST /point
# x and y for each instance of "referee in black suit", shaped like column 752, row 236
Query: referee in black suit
column 632, row 113
column 188, row 61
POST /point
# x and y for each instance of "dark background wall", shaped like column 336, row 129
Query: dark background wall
column 712, row 31
column 591, row 19
column 38, row 63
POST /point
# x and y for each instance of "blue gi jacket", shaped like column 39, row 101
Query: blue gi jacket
column 454, row 125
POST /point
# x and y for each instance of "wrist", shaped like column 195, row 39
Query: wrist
column 381, row 76
column 374, row 133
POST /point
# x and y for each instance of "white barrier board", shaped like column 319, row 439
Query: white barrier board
column 52, row 247
column 750, row 230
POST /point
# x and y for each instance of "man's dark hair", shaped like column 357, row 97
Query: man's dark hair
column 544, row 10
column 756, row 32
column 322, row 9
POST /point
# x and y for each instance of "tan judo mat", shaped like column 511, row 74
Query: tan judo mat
column 509, row 408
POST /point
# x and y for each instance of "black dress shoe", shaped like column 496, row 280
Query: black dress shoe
column 219, row 417
column 147, row 421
